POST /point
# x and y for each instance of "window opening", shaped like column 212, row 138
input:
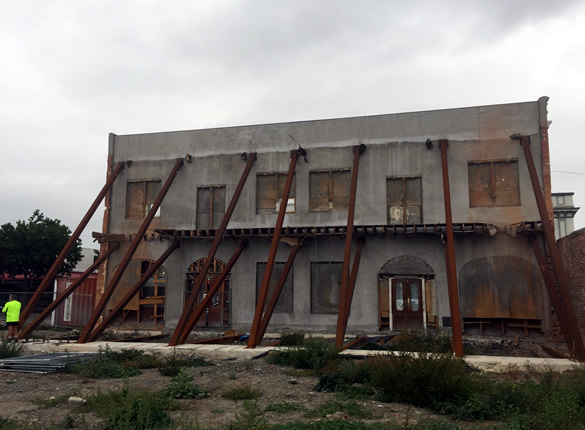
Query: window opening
column 269, row 191
column 140, row 197
column 284, row 305
column 210, row 206
column 404, row 200
column 329, row 190
column 325, row 287
column 493, row 183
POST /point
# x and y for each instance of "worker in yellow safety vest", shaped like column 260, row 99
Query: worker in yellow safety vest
column 12, row 310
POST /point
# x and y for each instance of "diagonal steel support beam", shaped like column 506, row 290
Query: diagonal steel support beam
column 565, row 295
column 450, row 256
column 133, row 291
column 558, row 305
column 197, row 313
column 180, row 328
column 344, row 294
column 26, row 331
column 129, row 253
column 50, row 276
column 277, row 291
column 255, row 331
column 352, row 279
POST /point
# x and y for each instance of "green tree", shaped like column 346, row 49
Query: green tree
column 31, row 247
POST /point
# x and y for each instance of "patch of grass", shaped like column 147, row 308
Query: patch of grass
column 172, row 364
column 8, row 423
column 340, row 374
column 350, row 408
column 335, row 425
column 52, row 401
column 10, row 349
column 421, row 341
column 314, row 354
column 242, row 392
column 182, row 387
column 250, row 419
column 290, row 338
column 103, row 369
column 140, row 414
column 428, row 380
column 106, row 405
column 283, row 408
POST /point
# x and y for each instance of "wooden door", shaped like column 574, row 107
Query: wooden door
column 407, row 304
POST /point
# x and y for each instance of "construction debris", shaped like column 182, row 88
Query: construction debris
column 44, row 363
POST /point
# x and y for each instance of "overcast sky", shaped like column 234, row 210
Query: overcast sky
column 73, row 71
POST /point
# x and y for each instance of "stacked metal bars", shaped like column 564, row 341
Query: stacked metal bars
column 44, row 363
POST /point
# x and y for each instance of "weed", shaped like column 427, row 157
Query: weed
column 283, row 408
column 182, row 387
column 427, row 380
column 7, row 423
column 250, row 419
column 68, row 422
column 340, row 374
column 10, row 349
column 107, row 404
column 140, row 414
column 172, row 364
column 315, row 354
column 103, row 369
column 292, row 338
column 421, row 341
column 242, row 392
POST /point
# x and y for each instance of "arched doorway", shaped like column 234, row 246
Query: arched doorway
column 217, row 313
column 405, row 294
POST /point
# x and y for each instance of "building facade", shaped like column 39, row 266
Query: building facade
column 564, row 211
column 400, row 217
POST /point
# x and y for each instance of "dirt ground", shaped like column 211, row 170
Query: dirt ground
column 21, row 392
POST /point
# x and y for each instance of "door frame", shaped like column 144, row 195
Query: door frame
column 422, row 297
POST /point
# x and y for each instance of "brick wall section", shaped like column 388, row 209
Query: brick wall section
column 572, row 250
column 101, row 280
column 546, row 174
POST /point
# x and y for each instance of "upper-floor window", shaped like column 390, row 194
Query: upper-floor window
column 210, row 206
column 493, row 183
column 140, row 196
column 404, row 200
column 329, row 190
column 269, row 190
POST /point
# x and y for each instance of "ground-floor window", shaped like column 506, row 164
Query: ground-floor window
column 217, row 313
column 284, row 305
column 325, row 287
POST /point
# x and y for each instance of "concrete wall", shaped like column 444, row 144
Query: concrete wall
column 395, row 146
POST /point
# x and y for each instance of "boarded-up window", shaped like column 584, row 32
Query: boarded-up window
column 284, row 305
column 404, row 200
column 210, row 206
column 269, row 190
column 325, row 286
column 140, row 196
column 493, row 183
column 329, row 190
